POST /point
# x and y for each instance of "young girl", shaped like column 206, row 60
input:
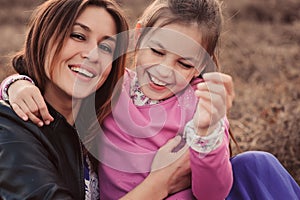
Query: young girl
column 165, row 97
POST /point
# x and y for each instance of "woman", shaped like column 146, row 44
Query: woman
column 68, row 41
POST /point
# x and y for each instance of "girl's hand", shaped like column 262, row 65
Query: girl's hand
column 28, row 103
column 215, row 95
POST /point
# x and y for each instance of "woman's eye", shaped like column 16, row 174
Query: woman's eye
column 105, row 47
column 187, row 66
column 157, row 52
column 77, row 36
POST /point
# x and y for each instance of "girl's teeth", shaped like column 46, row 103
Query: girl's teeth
column 82, row 72
column 157, row 82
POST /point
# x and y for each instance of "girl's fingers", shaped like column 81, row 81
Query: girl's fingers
column 35, row 119
column 43, row 110
column 212, row 87
column 220, row 83
column 218, row 77
column 207, row 114
column 19, row 111
column 31, row 105
column 24, row 107
column 214, row 99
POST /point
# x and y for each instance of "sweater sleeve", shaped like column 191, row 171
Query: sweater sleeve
column 6, row 83
column 212, row 173
column 3, row 85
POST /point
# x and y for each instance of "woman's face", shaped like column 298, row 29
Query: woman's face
column 85, row 59
column 168, row 59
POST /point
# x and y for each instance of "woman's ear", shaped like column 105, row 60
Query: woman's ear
column 137, row 31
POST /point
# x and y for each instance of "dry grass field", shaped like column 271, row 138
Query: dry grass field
column 261, row 50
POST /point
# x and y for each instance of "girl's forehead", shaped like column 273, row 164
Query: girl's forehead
column 176, row 38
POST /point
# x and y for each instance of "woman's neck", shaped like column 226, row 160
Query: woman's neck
column 62, row 103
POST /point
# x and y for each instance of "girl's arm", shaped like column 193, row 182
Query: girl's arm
column 212, row 176
column 207, row 135
column 25, row 99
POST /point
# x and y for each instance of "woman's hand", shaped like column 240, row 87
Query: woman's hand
column 215, row 95
column 170, row 173
column 28, row 103
column 174, row 165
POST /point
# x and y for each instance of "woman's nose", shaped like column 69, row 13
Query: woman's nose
column 91, row 53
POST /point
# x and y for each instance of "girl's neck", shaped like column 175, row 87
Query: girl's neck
column 62, row 103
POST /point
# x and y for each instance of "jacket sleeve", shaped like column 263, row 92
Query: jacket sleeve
column 27, row 169
column 212, row 174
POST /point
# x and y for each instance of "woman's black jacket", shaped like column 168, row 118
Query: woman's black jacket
column 39, row 163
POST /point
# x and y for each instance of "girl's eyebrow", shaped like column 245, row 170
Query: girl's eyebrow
column 155, row 42
column 86, row 28
column 190, row 59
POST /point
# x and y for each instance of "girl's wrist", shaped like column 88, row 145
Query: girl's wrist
column 204, row 144
column 9, row 81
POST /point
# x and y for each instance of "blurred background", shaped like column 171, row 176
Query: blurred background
column 260, row 49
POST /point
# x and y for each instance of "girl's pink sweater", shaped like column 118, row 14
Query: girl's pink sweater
column 132, row 135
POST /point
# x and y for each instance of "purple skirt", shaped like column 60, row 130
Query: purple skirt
column 260, row 176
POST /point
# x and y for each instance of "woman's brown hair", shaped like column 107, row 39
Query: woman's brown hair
column 53, row 21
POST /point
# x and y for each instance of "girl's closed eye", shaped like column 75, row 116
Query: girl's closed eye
column 78, row 36
column 186, row 65
column 157, row 52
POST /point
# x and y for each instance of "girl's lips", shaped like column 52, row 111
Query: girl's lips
column 156, row 83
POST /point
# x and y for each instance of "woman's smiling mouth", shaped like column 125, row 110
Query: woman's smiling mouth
column 81, row 71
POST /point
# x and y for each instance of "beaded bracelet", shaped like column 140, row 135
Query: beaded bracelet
column 204, row 144
column 9, row 81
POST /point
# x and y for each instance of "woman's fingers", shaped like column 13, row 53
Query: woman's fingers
column 165, row 156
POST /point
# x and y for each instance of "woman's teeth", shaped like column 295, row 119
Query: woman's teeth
column 157, row 82
column 82, row 71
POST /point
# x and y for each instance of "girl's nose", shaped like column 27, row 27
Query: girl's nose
column 164, row 70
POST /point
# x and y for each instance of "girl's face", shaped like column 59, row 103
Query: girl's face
column 168, row 59
column 85, row 60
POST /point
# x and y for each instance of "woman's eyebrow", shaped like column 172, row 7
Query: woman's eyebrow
column 86, row 28
column 82, row 26
column 113, row 39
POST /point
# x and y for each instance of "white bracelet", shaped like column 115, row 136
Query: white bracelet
column 204, row 144
column 10, row 81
